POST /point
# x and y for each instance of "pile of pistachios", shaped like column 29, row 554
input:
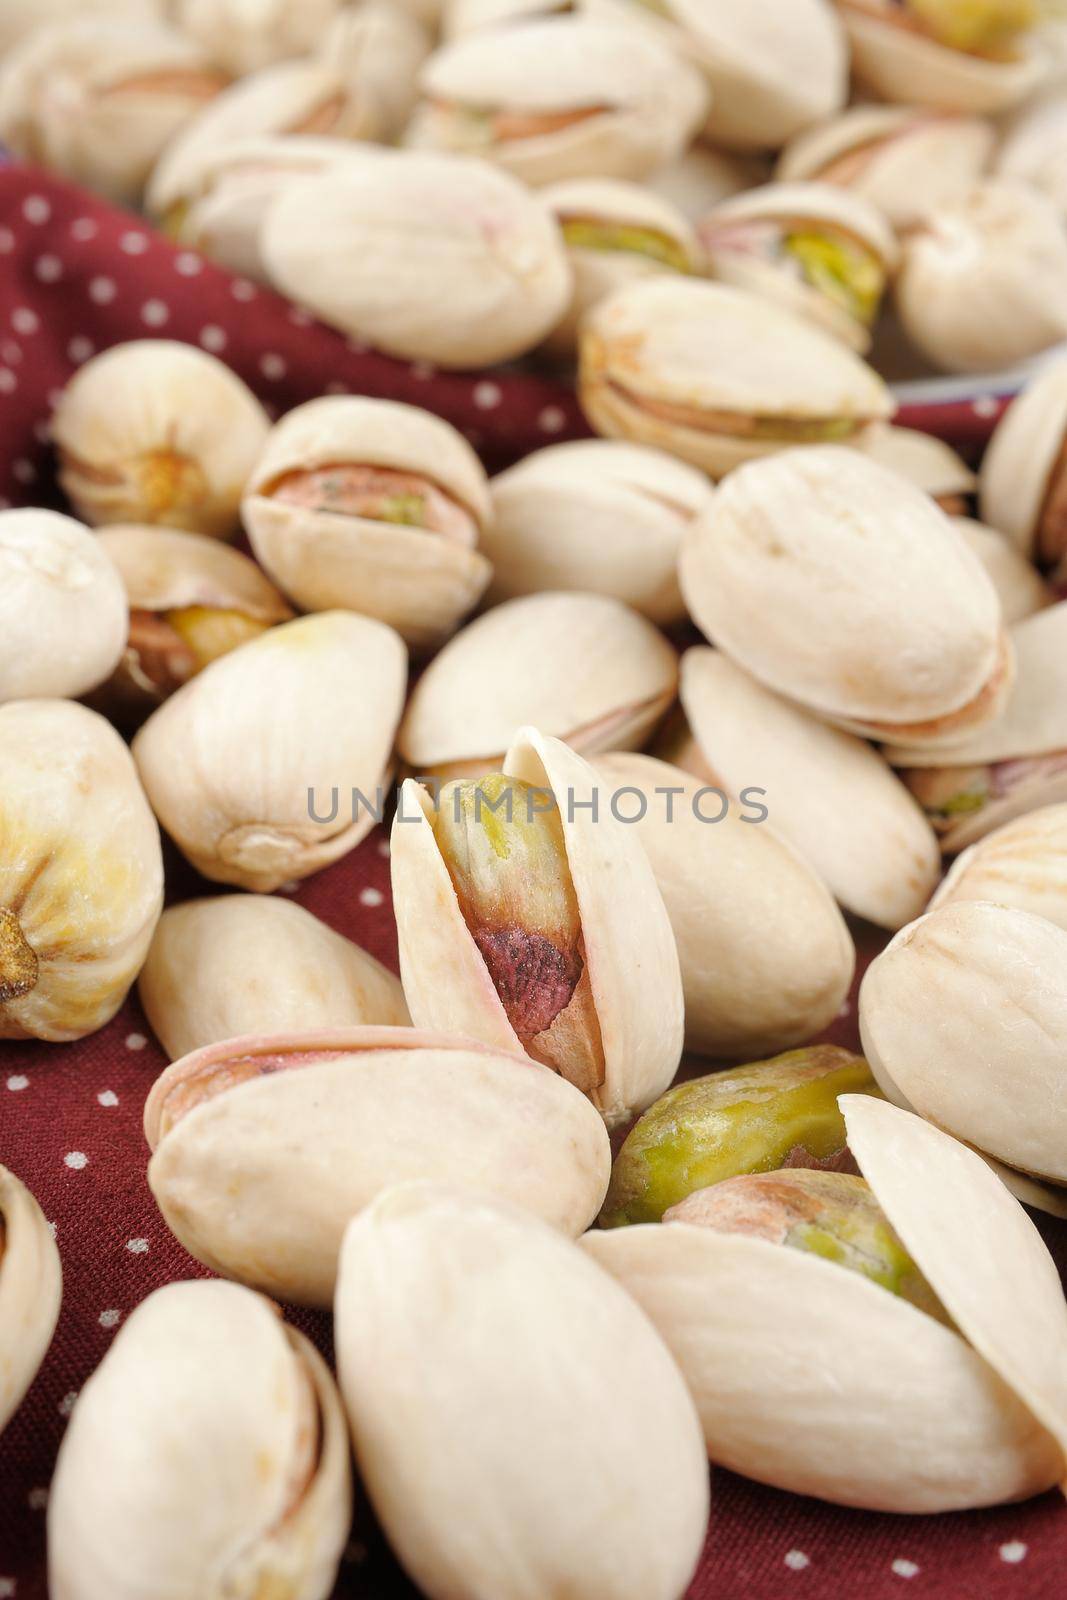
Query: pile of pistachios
column 690, row 700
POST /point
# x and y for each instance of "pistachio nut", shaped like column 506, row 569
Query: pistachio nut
column 762, row 1117
column 594, row 515
column 816, row 248
column 81, row 871
column 248, row 963
column 702, row 177
column 206, row 1454
column 582, row 667
column 465, row 16
column 766, row 957
column 573, row 1391
column 1024, row 471
column 158, row 432
column 241, row 36
column 31, row 1286
column 18, row 18
column 187, row 601
column 529, row 917
column 1023, row 864
column 983, row 284
column 824, row 544
column 554, row 98
column 717, row 375
column 954, row 55
column 1022, row 590
column 874, row 1347
column 430, row 257
column 907, row 161
column 98, row 98
column 378, row 48
column 741, row 737
column 375, row 506
column 1034, row 147
column 362, row 1108
column 616, row 233
column 929, row 463
column 62, row 604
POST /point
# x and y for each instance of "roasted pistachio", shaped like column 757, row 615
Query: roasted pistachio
column 1022, row 590
column 30, row 1291
column 1023, row 864
column 378, row 48
column 929, row 463
column 243, row 35
column 1024, row 471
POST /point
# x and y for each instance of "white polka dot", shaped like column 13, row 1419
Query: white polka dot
column 68, row 1402
column 371, row 897
column 7, row 1588
column 17, row 1083
column 42, row 432
column 7, row 241
column 336, row 386
column 241, row 289
column 299, row 318
column 102, row 291
column 273, row 367
column 423, row 370
column 37, row 1499
column 54, row 397
column 796, row 1560
column 213, row 338
column 23, row 320
column 552, row 420
column 383, row 848
column 1013, row 1552
column 80, row 349
column 76, row 1160
column 137, row 1247
column 35, row 208
column 109, row 1319
column 846, row 1009
column 905, row 1569
column 155, row 314
column 48, row 269
column 8, row 382
column 107, row 1098
column 985, row 406
column 487, row 395
column 83, row 228
column 24, row 471
column 135, row 1041
column 358, row 347
column 133, row 244
column 189, row 264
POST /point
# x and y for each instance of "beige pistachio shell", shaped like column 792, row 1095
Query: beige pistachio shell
column 431, row 257
column 765, row 954
column 1024, row 458
column 1023, row 864
column 378, row 48
column 582, row 667
column 251, row 765
column 31, row 1287
column 465, row 16
column 595, row 515
column 246, row 963
column 702, row 177
column 62, row 606
column 244, row 35
column 1034, row 147
column 587, row 1478
column 903, row 64
column 362, row 1108
column 718, row 376
column 929, row 463
column 420, row 581
column 158, row 432
column 22, row 17
column 828, row 793
column 206, row 1454
column 163, row 570
column 81, row 872
column 1022, row 590
column 556, row 98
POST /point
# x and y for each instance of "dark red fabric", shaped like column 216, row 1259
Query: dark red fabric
column 70, row 1116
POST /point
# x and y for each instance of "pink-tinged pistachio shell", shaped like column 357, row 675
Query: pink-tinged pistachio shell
column 362, row 1108
column 31, row 1286
column 1022, row 590
column 587, row 1477
column 1023, row 864
column 929, row 463
column 1024, row 471
column 244, row 35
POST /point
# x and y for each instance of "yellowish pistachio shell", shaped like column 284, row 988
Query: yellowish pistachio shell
column 1023, row 864
column 30, row 1291
column 244, row 35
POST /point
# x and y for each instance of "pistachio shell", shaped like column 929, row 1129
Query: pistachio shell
column 465, row 16
column 22, row 17
column 1022, row 590
column 582, row 667
column 572, row 1394
column 241, row 964
column 245, row 35
column 430, row 257
column 239, row 763
column 207, row 1453
column 1023, row 864
column 1023, row 465
column 928, row 463
column 701, row 178
column 1034, row 147
column 81, row 872
column 766, row 958
column 716, row 375
column 31, row 1287
column 362, row 1108
column 379, row 47
column 594, row 515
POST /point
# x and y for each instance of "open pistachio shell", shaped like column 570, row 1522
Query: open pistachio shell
column 81, row 872
column 244, row 35
column 930, row 464
column 1023, row 864
column 870, row 1401
column 245, row 963
column 206, row 1454
column 31, row 1286
column 362, row 1108
column 717, row 375
column 570, row 1390
column 595, row 515
column 1024, row 472
column 581, row 667
column 1022, row 590
column 251, row 767
column 766, row 957
column 541, row 930
column 374, row 506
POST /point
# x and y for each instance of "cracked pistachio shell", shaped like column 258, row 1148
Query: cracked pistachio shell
column 595, row 515
column 928, row 463
column 362, row 1108
column 1023, row 864
column 567, row 931
column 819, row 1380
column 62, row 607
column 1024, row 471
column 31, row 1286
column 822, row 544
column 247, row 963
column 756, row 1118
column 430, row 257
column 378, row 48
column 97, row 99
column 555, row 98
column 239, row 763
column 158, row 432
column 718, row 376
column 905, row 160
column 983, row 283
column 741, row 735
column 396, row 565
column 494, row 1322
column 206, row 1455
column 244, row 35
column 81, row 871
column 766, row 957
column 1023, row 591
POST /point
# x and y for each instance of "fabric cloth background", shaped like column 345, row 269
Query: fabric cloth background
column 75, row 277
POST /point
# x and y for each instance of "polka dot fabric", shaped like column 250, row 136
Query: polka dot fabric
column 77, row 277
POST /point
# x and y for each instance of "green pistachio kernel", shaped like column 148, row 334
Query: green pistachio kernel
column 755, row 1118
column 848, row 274
column 981, row 27
column 805, row 430
column 585, row 233
column 409, row 510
